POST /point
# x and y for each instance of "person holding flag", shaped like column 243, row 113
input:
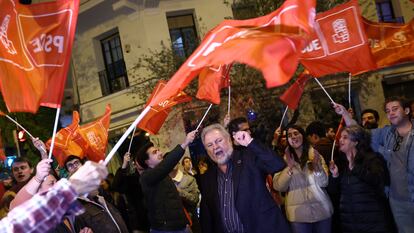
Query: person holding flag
column 395, row 143
column 165, row 208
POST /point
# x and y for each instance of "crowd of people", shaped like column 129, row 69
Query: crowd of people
column 302, row 183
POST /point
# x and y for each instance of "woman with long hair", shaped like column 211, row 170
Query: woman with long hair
column 308, row 207
column 360, row 176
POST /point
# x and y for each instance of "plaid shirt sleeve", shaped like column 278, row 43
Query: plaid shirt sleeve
column 44, row 211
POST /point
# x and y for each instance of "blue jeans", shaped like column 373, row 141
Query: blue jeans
column 403, row 212
column 323, row 226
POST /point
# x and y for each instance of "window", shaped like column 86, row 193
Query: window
column 114, row 78
column 385, row 12
column 183, row 34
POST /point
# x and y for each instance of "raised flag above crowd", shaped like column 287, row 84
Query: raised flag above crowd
column 211, row 81
column 291, row 97
column 88, row 140
column 155, row 118
column 391, row 43
column 270, row 43
column 339, row 43
column 35, row 49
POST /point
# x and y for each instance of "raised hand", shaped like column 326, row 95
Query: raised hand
column 189, row 138
column 42, row 170
column 127, row 158
column 40, row 146
column 243, row 138
column 88, row 177
column 334, row 169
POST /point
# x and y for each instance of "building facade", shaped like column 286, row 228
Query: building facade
column 113, row 34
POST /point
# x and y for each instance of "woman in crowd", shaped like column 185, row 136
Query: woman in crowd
column 360, row 178
column 308, row 207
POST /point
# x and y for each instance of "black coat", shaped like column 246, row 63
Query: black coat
column 165, row 208
column 255, row 206
column 130, row 186
column 363, row 204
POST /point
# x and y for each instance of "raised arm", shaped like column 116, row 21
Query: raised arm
column 265, row 158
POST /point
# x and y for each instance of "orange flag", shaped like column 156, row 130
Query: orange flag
column 93, row 137
column 270, row 43
column 391, row 43
column 64, row 142
column 211, row 81
column 35, row 49
column 339, row 43
column 157, row 115
column 291, row 97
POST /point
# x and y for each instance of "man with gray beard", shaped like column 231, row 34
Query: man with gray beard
column 235, row 198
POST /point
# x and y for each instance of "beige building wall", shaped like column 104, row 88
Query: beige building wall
column 142, row 25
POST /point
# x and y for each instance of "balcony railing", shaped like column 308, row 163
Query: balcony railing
column 114, row 78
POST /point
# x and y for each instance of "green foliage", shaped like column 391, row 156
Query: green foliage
column 39, row 125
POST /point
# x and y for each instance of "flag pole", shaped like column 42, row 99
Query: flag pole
column 54, row 133
column 333, row 149
column 125, row 135
column 349, row 90
column 132, row 138
column 283, row 117
column 202, row 119
column 229, row 101
column 324, row 90
column 19, row 125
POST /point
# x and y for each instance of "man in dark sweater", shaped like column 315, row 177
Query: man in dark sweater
column 165, row 208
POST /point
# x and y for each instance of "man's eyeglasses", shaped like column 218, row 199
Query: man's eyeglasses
column 398, row 140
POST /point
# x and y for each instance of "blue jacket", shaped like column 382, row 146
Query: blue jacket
column 383, row 141
column 257, row 210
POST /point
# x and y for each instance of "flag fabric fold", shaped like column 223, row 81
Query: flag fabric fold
column 64, row 142
column 211, row 81
column 88, row 140
column 35, row 49
column 157, row 115
column 391, row 43
column 270, row 43
column 339, row 43
column 291, row 97
column 93, row 137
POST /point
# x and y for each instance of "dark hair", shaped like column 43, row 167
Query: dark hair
column 401, row 100
column 22, row 160
column 73, row 157
column 316, row 127
column 305, row 146
column 374, row 112
column 141, row 155
column 234, row 124
column 182, row 161
column 360, row 135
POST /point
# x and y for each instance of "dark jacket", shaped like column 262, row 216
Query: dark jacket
column 165, row 208
column 255, row 206
column 96, row 216
column 130, row 186
column 363, row 205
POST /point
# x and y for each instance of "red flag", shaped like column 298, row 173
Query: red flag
column 64, row 142
column 271, row 43
column 291, row 97
column 157, row 115
column 339, row 43
column 35, row 49
column 211, row 81
column 93, row 137
column 391, row 43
